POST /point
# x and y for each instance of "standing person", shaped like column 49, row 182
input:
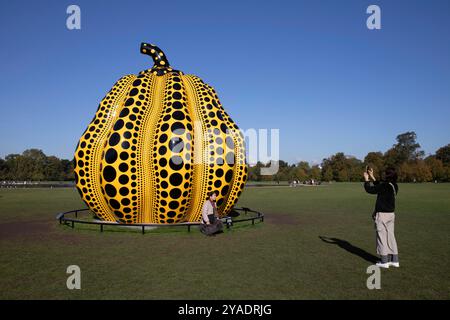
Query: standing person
column 384, row 215
column 210, row 216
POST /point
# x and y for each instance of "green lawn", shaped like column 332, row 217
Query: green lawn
column 281, row 258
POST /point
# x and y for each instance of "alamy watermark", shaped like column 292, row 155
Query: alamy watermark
column 74, row 280
column 374, row 280
column 73, row 21
column 374, row 20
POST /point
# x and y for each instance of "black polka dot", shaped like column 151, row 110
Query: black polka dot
column 224, row 191
column 223, row 127
column 123, row 179
column 171, row 214
column 110, row 190
column 123, row 167
column 125, row 144
column 175, row 179
column 162, row 150
column 127, row 134
column 178, row 115
column 176, row 145
column 81, row 154
column 118, row 214
column 119, row 124
column 162, row 162
column 163, row 138
column 175, row 193
column 164, row 127
column 109, row 173
column 177, row 105
column 124, row 112
column 219, row 173
column 124, row 155
column 173, row 205
column 129, row 102
column 229, row 176
column 134, row 92
column 176, row 163
column 114, row 139
column 124, row 191
column 114, row 203
column 177, row 128
column 125, row 201
column 111, row 155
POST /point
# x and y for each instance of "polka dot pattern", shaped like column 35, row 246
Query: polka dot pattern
column 122, row 175
column 173, row 154
column 89, row 152
column 142, row 161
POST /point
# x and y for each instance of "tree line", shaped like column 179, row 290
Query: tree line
column 34, row 165
column 406, row 156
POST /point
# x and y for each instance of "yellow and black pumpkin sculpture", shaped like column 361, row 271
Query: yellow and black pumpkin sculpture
column 158, row 144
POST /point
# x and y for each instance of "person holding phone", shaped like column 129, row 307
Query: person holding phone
column 384, row 215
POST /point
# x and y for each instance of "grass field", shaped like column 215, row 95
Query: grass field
column 281, row 258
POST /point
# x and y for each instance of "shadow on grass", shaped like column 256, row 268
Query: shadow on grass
column 347, row 246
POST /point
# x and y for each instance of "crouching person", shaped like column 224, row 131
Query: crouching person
column 211, row 221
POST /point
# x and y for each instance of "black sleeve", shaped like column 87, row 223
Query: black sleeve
column 375, row 189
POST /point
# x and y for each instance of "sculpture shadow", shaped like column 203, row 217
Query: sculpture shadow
column 347, row 246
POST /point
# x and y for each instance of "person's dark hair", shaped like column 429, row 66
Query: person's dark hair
column 390, row 174
column 211, row 193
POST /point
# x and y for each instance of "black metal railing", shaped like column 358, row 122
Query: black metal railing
column 64, row 218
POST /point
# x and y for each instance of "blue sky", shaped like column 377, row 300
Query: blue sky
column 309, row 68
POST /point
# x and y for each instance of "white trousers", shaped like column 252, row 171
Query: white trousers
column 386, row 243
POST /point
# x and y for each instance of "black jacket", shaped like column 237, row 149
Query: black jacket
column 385, row 195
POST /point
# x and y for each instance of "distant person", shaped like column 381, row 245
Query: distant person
column 384, row 215
column 210, row 216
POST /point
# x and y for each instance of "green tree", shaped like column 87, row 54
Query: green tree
column 68, row 167
column 3, row 169
column 302, row 171
column 406, row 149
column 53, row 169
column 376, row 161
column 315, row 172
column 436, row 167
column 443, row 154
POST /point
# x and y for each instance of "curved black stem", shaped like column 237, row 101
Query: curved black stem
column 158, row 56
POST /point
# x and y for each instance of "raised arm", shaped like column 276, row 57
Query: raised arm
column 372, row 189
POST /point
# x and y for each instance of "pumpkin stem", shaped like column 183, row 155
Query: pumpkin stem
column 158, row 56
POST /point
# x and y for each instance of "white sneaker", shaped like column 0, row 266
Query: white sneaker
column 394, row 264
column 383, row 265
